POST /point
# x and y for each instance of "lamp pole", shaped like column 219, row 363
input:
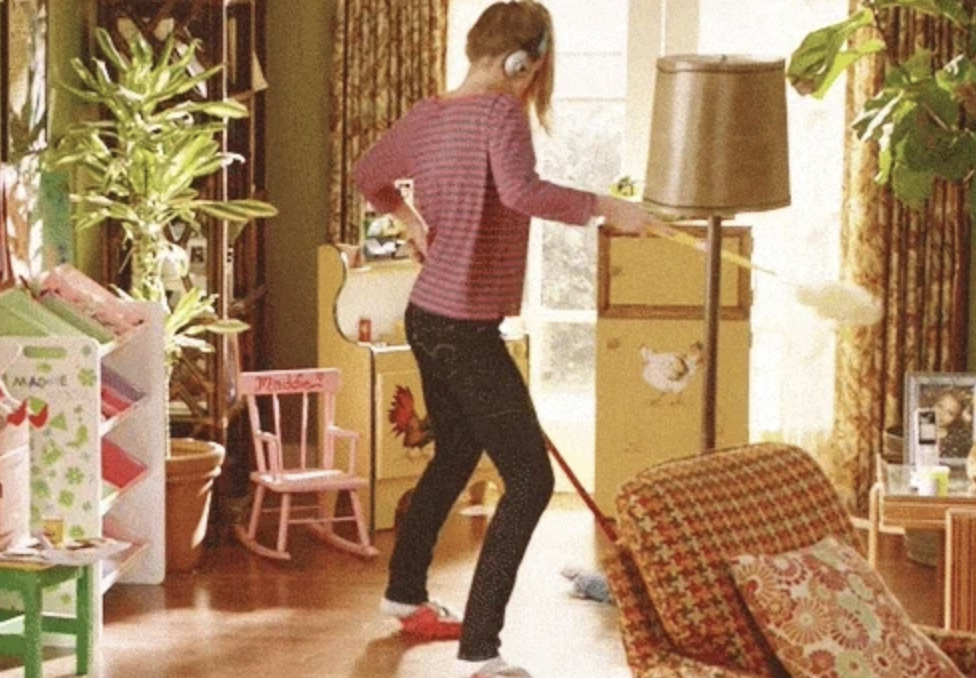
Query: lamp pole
column 713, row 302
column 719, row 148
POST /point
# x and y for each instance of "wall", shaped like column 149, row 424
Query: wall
column 298, row 168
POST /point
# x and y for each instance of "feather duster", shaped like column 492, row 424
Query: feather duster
column 843, row 303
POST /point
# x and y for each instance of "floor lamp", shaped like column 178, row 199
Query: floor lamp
column 718, row 148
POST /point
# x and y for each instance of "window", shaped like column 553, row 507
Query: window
column 792, row 363
column 602, row 105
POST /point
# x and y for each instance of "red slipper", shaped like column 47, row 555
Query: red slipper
column 432, row 622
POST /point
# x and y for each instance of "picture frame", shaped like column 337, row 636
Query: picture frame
column 951, row 395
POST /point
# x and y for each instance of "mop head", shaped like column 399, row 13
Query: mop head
column 842, row 302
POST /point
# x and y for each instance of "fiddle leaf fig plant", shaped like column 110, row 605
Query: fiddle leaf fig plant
column 923, row 117
column 141, row 164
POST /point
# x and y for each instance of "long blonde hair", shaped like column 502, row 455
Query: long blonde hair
column 506, row 27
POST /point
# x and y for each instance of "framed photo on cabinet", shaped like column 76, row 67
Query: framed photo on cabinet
column 939, row 411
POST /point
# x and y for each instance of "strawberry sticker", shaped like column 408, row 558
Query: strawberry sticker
column 39, row 418
column 17, row 416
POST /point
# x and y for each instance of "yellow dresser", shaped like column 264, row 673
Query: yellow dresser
column 381, row 391
column 650, row 332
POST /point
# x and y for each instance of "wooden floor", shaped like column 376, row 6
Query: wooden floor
column 241, row 616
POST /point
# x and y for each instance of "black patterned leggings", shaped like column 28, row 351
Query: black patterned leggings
column 477, row 401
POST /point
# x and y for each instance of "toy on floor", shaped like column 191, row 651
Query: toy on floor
column 588, row 585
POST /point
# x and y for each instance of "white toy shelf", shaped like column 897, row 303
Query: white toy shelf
column 96, row 414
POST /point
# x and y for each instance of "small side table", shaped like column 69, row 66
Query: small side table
column 30, row 581
column 894, row 503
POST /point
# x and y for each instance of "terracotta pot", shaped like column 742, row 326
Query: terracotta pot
column 191, row 468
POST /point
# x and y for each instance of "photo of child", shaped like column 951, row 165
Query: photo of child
column 954, row 418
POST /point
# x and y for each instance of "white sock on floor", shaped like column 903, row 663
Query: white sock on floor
column 491, row 667
column 399, row 610
column 466, row 669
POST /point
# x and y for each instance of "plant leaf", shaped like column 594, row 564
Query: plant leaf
column 821, row 57
column 237, row 210
column 220, row 109
column 226, row 326
column 911, row 187
column 108, row 48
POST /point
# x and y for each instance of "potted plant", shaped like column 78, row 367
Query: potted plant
column 139, row 166
column 923, row 117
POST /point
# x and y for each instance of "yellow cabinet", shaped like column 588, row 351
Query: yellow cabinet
column 381, row 391
column 650, row 331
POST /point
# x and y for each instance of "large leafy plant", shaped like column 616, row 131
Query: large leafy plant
column 141, row 164
column 923, row 117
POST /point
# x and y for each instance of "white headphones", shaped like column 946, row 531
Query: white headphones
column 517, row 63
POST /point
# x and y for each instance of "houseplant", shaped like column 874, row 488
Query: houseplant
column 923, row 116
column 139, row 166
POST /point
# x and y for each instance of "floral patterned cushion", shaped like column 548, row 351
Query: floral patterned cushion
column 827, row 613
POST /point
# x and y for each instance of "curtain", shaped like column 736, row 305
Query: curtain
column 915, row 261
column 7, row 277
column 387, row 56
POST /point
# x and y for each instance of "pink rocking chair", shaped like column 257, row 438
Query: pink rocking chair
column 276, row 472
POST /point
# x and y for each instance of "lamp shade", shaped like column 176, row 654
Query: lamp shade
column 718, row 136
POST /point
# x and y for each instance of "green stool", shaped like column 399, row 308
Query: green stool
column 31, row 584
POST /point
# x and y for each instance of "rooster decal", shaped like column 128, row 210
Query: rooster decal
column 416, row 430
column 670, row 373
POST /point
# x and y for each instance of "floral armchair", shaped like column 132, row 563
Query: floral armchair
column 690, row 529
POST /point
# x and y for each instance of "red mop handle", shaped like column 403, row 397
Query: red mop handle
column 605, row 524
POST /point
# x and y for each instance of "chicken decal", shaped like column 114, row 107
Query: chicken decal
column 670, row 373
column 416, row 430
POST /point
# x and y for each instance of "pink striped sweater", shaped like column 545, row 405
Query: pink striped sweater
column 473, row 167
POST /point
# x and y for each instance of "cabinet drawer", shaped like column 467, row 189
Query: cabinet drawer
column 656, row 278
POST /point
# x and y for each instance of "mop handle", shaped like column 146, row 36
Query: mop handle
column 700, row 245
column 605, row 525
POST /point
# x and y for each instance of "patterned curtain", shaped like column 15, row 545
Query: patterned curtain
column 915, row 261
column 388, row 55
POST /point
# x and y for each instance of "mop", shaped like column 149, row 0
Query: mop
column 845, row 304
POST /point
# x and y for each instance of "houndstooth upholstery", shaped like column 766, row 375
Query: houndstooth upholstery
column 680, row 613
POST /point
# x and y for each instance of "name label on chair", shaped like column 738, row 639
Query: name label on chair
column 286, row 383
